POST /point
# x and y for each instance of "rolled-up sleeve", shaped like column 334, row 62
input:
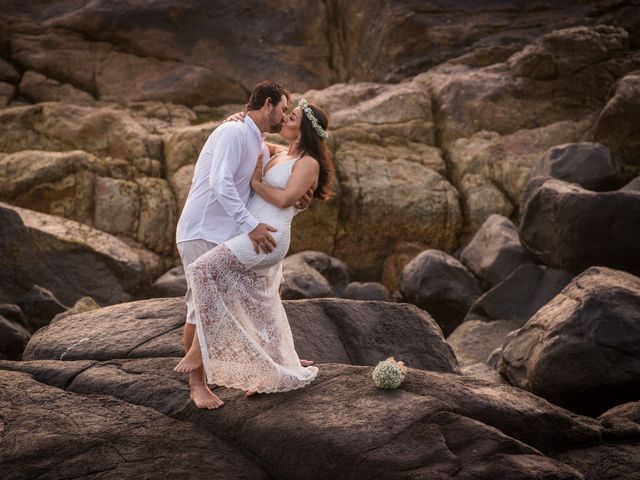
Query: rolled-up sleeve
column 226, row 159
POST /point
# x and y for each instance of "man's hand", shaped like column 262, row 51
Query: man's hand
column 305, row 201
column 261, row 238
column 235, row 117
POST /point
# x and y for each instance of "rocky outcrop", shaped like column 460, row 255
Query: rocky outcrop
column 571, row 351
column 590, row 165
column 473, row 340
column 342, row 331
column 520, row 295
column 441, row 285
column 571, row 229
column 69, row 259
column 495, row 251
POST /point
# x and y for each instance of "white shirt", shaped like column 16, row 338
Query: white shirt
column 216, row 207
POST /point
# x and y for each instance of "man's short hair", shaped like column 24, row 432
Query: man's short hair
column 266, row 89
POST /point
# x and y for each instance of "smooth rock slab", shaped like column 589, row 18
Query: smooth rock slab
column 50, row 433
column 324, row 330
column 582, row 349
column 435, row 426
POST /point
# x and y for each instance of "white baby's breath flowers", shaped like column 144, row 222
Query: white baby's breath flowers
column 389, row 374
column 304, row 105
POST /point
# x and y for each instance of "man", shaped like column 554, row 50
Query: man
column 216, row 207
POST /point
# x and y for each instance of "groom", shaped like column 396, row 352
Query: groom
column 216, row 207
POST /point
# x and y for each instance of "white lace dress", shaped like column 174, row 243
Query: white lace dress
column 241, row 324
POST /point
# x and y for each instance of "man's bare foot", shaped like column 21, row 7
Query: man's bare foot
column 191, row 361
column 204, row 398
column 306, row 363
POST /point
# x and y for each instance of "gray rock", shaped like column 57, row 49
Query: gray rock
column 441, row 285
column 590, row 165
column 571, row 229
column 40, row 306
column 312, row 274
column 100, row 436
column 366, row 291
column 520, row 295
column 495, row 251
column 172, row 284
column 474, row 340
column 13, row 338
column 580, row 351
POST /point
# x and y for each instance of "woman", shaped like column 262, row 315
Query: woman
column 244, row 339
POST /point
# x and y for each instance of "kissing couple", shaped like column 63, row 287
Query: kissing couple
column 232, row 236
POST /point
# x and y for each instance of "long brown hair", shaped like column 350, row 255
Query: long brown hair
column 312, row 144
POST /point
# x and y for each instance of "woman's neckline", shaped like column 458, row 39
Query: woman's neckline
column 271, row 166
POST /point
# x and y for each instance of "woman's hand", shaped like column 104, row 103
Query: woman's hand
column 236, row 117
column 257, row 173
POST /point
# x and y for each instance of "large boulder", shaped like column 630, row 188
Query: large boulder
column 436, row 424
column 570, row 228
column 40, row 306
column 520, row 295
column 617, row 125
column 80, row 436
column 324, row 330
column 13, row 338
column 313, row 274
column 495, row 251
column 69, row 259
column 590, row 165
column 581, row 349
column 441, row 285
column 474, row 340
column 366, row 291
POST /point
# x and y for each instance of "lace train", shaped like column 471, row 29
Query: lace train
column 242, row 327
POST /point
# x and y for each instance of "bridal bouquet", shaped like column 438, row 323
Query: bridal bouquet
column 389, row 373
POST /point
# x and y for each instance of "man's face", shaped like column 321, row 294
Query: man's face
column 276, row 117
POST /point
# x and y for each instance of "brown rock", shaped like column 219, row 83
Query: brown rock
column 395, row 263
column 117, row 206
column 156, row 227
column 38, row 88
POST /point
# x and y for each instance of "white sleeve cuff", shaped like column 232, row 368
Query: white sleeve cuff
column 249, row 224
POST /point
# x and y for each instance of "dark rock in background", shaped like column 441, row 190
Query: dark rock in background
column 366, row 291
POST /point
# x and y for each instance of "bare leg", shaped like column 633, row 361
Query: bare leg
column 201, row 395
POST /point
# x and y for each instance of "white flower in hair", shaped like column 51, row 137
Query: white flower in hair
column 304, row 105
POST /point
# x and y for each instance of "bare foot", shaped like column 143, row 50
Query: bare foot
column 205, row 398
column 191, row 361
column 248, row 393
column 306, row 363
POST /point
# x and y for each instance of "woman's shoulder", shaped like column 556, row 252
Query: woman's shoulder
column 309, row 161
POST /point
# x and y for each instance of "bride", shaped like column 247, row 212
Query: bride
column 243, row 336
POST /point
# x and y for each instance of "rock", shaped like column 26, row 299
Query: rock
column 511, row 96
column 474, row 340
column 366, row 291
column 590, row 165
column 495, row 251
column 38, row 88
column 158, row 216
column 67, row 258
column 8, row 72
column 104, row 131
column 58, row 183
column 571, row 229
column 182, row 145
column 99, row 434
column 7, row 93
column 312, row 274
column 483, row 372
column 504, row 162
column 435, row 424
column 520, row 295
column 617, row 125
column 606, row 462
column 117, row 206
column 171, row 284
column 324, row 330
column 482, row 199
column 394, row 264
column 181, row 184
column 13, row 338
column 632, row 186
column 441, row 285
column 630, row 411
column 399, row 196
column 317, row 227
column 580, row 350
column 40, row 306
column 13, row 313
column 85, row 304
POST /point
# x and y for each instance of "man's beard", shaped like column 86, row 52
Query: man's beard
column 275, row 127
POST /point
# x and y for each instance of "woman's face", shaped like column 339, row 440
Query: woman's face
column 291, row 124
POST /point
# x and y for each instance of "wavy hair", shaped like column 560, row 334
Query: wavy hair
column 313, row 145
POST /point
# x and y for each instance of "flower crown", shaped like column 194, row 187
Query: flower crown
column 304, row 105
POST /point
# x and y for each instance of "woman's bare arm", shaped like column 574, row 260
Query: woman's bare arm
column 303, row 177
